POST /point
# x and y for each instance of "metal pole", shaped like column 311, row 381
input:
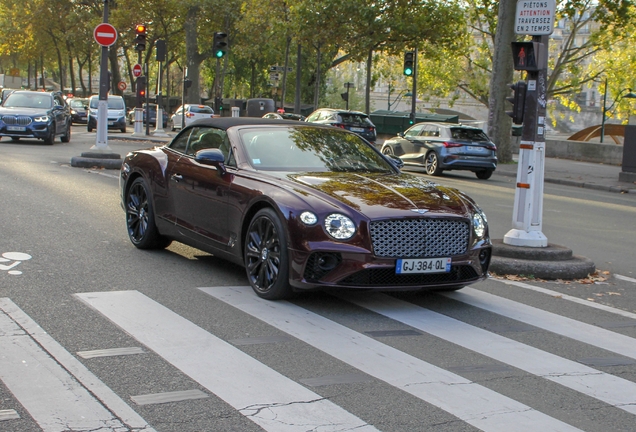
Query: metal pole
column 298, row 82
column 101, row 141
column 527, row 212
column 604, row 112
column 159, row 118
column 414, row 95
column 185, row 77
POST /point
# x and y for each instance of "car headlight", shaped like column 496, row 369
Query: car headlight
column 339, row 226
column 73, row 112
column 479, row 224
column 308, row 218
column 42, row 119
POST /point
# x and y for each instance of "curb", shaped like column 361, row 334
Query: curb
column 551, row 262
column 595, row 186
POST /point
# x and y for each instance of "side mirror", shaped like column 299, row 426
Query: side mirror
column 400, row 134
column 213, row 157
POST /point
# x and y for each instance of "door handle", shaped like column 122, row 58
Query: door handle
column 176, row 177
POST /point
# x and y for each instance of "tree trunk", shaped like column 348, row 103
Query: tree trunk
column 499, row 123
column 317, row 83
column 115, row 75
column 194, row 58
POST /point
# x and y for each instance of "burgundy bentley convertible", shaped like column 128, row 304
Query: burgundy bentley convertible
column 302, row 206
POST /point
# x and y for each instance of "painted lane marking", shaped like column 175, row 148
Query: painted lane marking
column 260, row 393
column 608, row 388
column 625, row 278
column 577, row 330
column 570, row 298
column 166, row 397
column 18, row 257
column 9, row 414
column 468, row 401
column 110, row 352
column 40, row 380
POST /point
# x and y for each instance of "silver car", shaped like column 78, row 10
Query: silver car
column 442, row 147
column 188, row 113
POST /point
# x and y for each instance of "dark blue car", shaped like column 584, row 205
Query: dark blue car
column 32, row 114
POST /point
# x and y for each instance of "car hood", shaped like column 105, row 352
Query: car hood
column 23, row 111
column 381, row 195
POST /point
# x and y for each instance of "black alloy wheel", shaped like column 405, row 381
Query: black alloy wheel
column 140, row 218
column 432, row 164
column 266, row 260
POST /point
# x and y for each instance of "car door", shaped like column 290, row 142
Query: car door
column 61, row 113
column 412, row 141
column 200, row 194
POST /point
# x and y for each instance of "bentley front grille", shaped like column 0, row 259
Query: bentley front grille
column 419, row 238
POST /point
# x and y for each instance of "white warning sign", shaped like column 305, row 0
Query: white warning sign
column 535, row 18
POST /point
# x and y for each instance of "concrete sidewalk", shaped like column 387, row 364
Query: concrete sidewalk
column 579, row 174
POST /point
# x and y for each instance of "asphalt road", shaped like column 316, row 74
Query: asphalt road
column 96, row 335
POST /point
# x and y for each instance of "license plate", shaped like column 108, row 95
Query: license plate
column 16, row 128
column 111, row 123
column 473, row 148
column 356, row 129
column 423, row 265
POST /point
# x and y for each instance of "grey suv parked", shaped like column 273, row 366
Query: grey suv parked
column 445, row 146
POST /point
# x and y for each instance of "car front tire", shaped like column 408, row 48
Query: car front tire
column 67, row 136
column 49, row 140
column 140, row 218
column 431, row 164
column 265, row 256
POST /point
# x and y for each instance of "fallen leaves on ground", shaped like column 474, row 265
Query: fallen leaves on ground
column 596, row 277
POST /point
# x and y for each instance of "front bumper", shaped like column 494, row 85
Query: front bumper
column 34, row 130
column 355, row 270
column 113, row 123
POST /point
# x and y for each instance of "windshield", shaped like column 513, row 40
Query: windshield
column 311, row 149
column 28, row 100
column 113, row 103
column 78, row 103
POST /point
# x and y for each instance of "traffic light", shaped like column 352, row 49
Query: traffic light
column 140, row 39
column 160, row 44
column 518, row 101
column 409, row 63
column 141, row 91
column 411, row 118
column 219, row 48
column 527, row 56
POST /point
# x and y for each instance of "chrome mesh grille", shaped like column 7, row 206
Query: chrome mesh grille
column 17, row 120
column 419, row 238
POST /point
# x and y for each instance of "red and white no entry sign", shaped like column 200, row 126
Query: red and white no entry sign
column 105, row 34
column 137, row 70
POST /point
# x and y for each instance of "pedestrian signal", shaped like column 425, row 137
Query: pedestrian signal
column 525, row 55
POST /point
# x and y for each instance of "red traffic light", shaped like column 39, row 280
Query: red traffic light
column 140, row 29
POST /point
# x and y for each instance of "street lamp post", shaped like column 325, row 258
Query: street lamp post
column 628, row 95
column 402, row 93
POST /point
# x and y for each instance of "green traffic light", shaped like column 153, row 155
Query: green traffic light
column 218, row 54
column 408, row 71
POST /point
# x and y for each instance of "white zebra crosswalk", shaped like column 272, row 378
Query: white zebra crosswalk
column 60, row 394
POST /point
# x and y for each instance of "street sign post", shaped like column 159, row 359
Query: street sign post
column 136, row 70
column 105, row 34
column 535, row 18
